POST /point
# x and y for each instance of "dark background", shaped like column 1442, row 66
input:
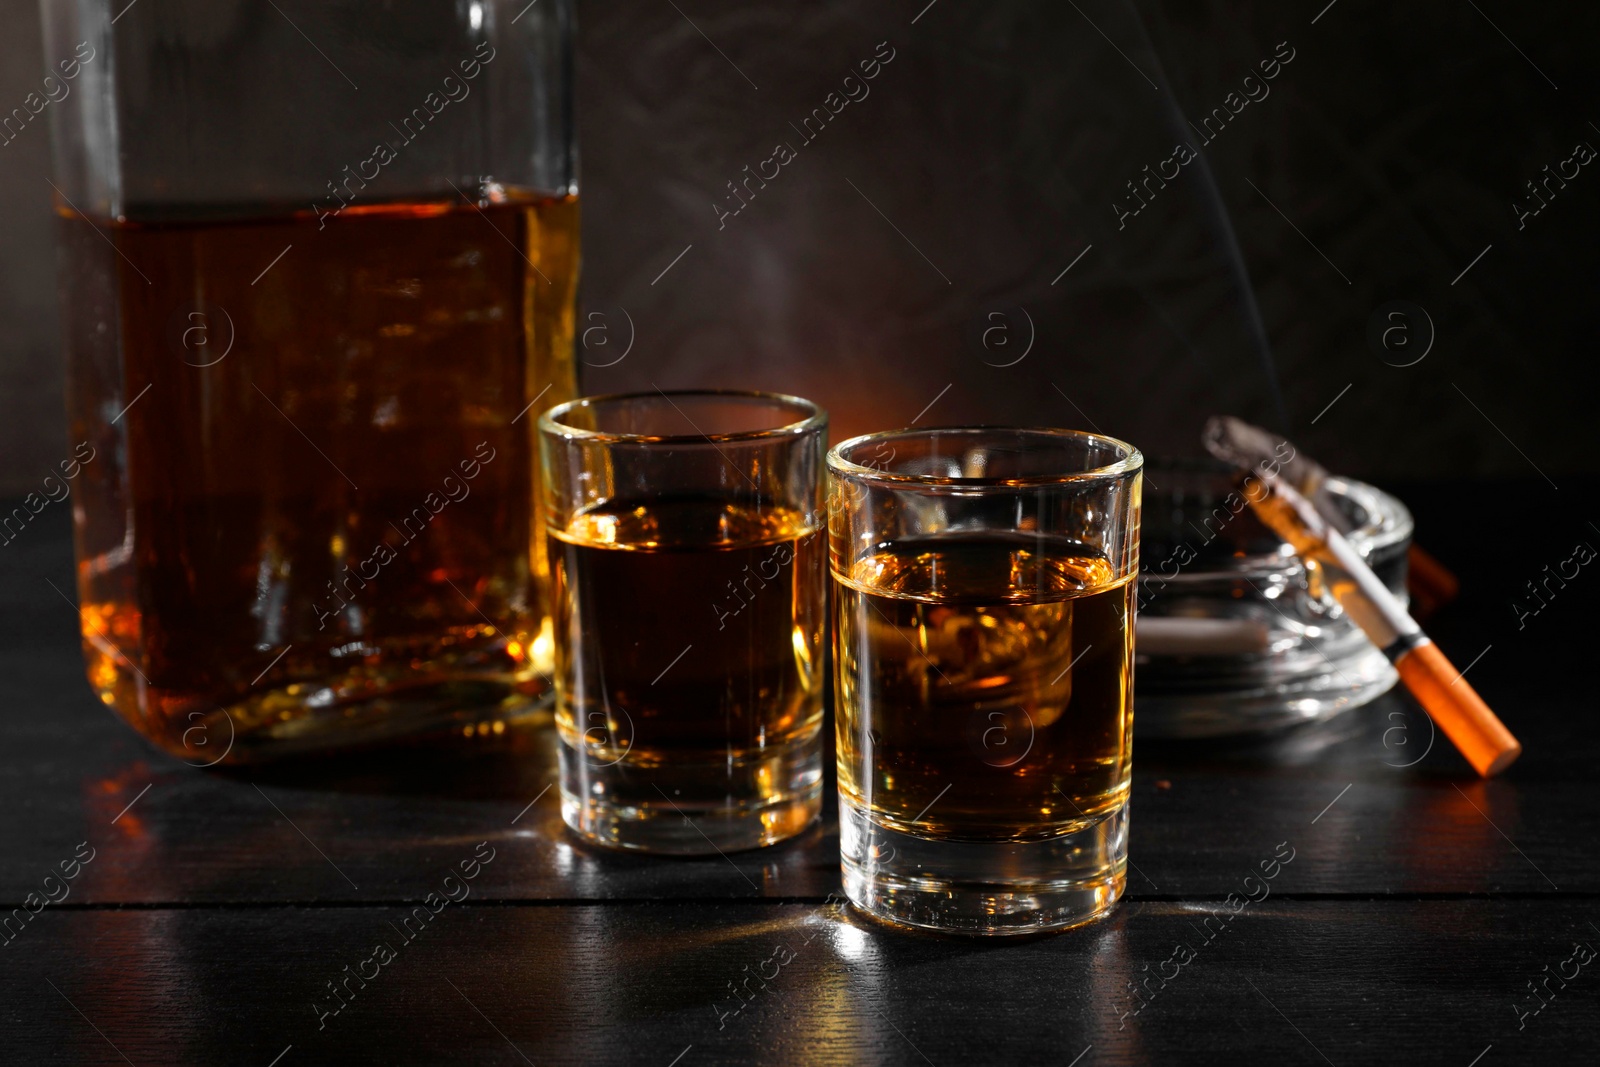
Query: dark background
column 1423, row 903
column 986, row 158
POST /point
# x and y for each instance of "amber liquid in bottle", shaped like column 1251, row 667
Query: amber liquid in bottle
column 313, row 523
column 985, row 686
column 689, row 647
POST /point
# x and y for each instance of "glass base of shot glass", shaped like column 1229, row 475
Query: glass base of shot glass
column 688, row 808
column 982, row 887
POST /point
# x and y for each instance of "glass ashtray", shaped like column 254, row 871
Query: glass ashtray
column 1235, row 634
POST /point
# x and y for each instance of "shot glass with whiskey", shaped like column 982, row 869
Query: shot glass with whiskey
column 983, row 597
column 688, row 602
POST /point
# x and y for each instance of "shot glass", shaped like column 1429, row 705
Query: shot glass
column 983, row 584
column 689, row 606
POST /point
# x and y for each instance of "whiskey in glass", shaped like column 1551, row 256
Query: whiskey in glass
column 686, row 553
column 983, row 643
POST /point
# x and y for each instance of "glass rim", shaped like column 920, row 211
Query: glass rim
column 816, row 419
column 1131, row 463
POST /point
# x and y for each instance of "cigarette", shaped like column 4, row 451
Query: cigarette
column 1441, row 690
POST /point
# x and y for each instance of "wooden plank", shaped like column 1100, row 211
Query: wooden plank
column 1282, row 981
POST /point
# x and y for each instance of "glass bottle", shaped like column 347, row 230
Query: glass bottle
column 318, row 267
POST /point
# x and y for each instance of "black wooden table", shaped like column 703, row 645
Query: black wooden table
column 1425, row 917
